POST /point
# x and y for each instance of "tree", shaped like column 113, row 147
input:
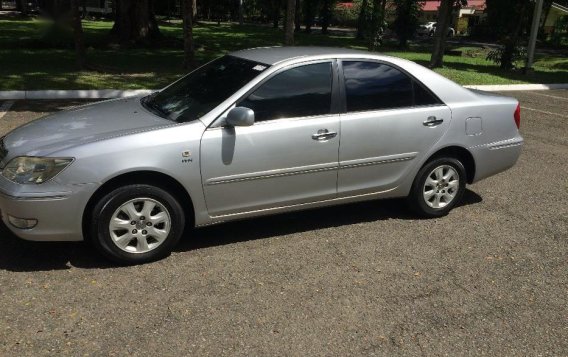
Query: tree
column 289, row 26
column 309, row 12
column 406, row 22
column 545, row 12
column 326, row 11
column 298, row 16
column 80, row 54
column 135, row 21
column 188, row 47
column 377, row 20
column 444, row 19
column 362, row 19
column 276, row 6
column 241, row 12
column 22, row 6
column 506, row 18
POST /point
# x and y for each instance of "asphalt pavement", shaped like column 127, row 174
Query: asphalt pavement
column 365, row 279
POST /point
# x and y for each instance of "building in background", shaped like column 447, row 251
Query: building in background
column 463, row 20
column 556, row 16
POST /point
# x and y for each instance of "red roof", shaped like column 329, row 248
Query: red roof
column 347, row 5
column 433, row 5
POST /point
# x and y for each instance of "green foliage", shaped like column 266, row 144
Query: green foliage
column 347, row 16
column 309, row 10
column 560, row 34
column 407, row 15
column 496, row 56
column 507, row 18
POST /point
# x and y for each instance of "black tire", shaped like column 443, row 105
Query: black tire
column 416, row 199
column 110, row 203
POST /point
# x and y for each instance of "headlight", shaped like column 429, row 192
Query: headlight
column 34, row 170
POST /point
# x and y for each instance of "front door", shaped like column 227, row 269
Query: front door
column 289, row 156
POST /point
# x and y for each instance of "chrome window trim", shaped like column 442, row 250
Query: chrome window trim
column 261, row 175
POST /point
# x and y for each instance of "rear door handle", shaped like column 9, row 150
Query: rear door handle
column 432, row 121
column 324, row 134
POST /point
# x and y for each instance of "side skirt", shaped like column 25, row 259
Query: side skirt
column 302, row 206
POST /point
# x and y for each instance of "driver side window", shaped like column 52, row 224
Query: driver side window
column 297, row 92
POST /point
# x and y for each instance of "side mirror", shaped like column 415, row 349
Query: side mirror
column 240, row 116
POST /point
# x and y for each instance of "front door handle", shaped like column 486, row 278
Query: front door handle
column 324, row 134
column 432, row 121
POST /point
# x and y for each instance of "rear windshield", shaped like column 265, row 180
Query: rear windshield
column 200, row 91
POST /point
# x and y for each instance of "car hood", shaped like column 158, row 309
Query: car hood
column 88, row 123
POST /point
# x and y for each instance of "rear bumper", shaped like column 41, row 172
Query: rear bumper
column 496, row 157
column 59, row 215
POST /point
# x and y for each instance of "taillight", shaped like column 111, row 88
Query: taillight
column 518, row 116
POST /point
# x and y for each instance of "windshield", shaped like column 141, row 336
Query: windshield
column 203, row 89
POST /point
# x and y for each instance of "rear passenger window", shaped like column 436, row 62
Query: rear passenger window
column 297, row 92
column 376, row 86
column 422, row 96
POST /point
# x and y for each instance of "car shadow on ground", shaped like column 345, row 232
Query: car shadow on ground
column 21, row 256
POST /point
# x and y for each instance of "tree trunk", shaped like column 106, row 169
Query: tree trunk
column 512, row 39
column 22, row 6
column 325, row 16
column 188, row 48
column 309, row 15
column 84, row 14
column 80, row 54
column 375, row 25
column 362, row 19
column 298, row 16
column 135, row 21
column 289, row 26
column 546, row 11
column 444, row 16
column 275, row 13
column 383, row 11
column 241, row 12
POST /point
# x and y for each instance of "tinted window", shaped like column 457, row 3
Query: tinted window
column 423, row 97
column 203, row 89
column 371, row 86
column 297, row 92
column 375, row 86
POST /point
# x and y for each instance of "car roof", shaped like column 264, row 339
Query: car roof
column 447, row 90
column 273, row 55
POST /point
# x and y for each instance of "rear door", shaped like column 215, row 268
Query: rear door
column 390, row 122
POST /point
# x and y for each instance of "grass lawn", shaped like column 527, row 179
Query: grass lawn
column 34, row 56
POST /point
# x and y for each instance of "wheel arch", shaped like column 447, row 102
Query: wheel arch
column 154, row 178
column 460, row 153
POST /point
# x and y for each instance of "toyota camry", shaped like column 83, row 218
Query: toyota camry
column 255, row 132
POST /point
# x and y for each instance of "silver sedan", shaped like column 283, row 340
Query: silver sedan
column 255, row 132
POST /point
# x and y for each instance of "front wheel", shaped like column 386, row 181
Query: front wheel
column 136, row 224
column 438, row 187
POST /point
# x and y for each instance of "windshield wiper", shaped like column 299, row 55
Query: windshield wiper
column 150, row 105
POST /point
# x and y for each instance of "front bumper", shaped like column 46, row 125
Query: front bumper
column 59, row 214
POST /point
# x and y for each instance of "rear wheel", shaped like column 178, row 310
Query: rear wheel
column 438, row 187
column 136, row 224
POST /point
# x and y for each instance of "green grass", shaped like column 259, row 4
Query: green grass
column 34, row 55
